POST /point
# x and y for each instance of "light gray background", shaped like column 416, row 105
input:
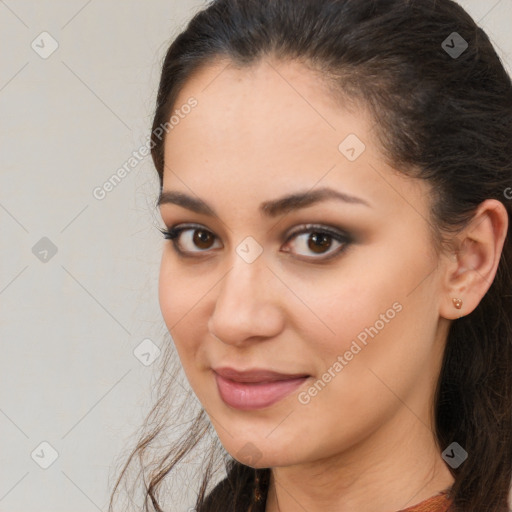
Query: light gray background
column 69, row 325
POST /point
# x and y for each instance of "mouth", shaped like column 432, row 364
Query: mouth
column 255, row 389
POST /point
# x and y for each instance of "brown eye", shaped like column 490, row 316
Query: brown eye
column 191, row 239
column 318, row 242
column 312, row 239
column 202, row 238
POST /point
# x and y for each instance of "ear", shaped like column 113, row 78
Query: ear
column 472, row 267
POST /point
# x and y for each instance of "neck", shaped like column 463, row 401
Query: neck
column 397, row 468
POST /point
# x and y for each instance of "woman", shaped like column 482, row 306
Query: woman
column 335, row 184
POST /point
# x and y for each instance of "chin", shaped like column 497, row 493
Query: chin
column 262, row 454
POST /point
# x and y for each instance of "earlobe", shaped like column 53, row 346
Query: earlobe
column 472, row 268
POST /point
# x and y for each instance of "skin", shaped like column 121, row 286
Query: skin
column 365, row 441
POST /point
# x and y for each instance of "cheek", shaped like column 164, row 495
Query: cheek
column 365, row 313
column 181, row 291
column 178, row 306
column 382, row 332
column 168, row 296
column 344, row 306
column 178, row 303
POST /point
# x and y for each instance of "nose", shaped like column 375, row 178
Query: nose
column 247, row 305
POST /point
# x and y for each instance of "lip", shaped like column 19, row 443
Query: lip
column 257, row 388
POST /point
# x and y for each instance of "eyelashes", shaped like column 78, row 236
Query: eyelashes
column 175, row 233
column 320, row 241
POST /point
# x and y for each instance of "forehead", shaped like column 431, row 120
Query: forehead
column 273, row 98
column 278, row 112
column 273, row 127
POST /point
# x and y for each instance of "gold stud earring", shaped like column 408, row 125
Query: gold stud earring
column 457, row 303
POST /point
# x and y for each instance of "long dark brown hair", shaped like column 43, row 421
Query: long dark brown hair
column 440, row 116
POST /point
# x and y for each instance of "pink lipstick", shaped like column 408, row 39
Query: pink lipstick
column 255, row 389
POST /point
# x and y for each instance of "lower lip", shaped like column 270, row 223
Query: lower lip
column 254, row 395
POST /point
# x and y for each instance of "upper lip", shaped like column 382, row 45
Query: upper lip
column 255, row 375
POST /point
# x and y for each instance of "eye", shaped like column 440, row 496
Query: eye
column 320, row 240
column 196, row 235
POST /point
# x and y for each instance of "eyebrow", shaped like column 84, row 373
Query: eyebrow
column 271, row 208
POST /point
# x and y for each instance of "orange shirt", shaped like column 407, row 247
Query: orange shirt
column 438, row 503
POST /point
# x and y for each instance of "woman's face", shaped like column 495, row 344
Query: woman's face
column 346, row 311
